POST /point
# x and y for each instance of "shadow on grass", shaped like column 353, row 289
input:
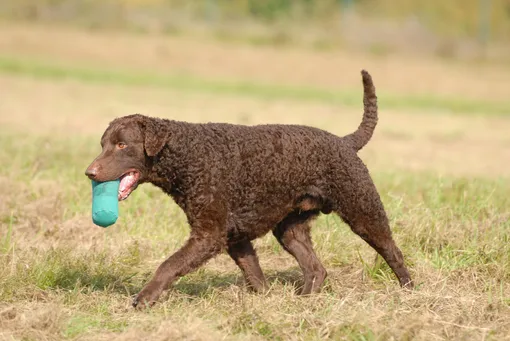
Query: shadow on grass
column 204, row 283
column 196, row 285
column 62, row 268
column 73, row 278
column 99, row 272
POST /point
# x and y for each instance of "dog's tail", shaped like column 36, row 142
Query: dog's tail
column 363, row 134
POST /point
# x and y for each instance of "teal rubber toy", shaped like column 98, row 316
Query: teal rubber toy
column 105, row 202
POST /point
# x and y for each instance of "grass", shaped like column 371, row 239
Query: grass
column 453, row 231
column 53, row 71
column 441, row 177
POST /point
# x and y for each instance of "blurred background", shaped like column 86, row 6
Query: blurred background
column 454, row 29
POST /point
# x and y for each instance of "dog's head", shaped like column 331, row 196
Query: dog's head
column 129, row 144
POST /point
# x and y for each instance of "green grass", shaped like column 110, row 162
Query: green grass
column 62, row 278
column 67, row 279
column 433, row 103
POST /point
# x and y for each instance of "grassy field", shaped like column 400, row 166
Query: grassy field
column 440, row 158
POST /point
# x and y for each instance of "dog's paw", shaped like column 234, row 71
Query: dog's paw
column 407, row 284
column 143, row 300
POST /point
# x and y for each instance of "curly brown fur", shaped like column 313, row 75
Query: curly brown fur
column 236, row 183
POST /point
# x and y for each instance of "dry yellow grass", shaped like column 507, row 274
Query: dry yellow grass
column 337, row 68
column 403, row 140
column 443, row 179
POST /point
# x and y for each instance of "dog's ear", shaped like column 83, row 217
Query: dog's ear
column 155, row 135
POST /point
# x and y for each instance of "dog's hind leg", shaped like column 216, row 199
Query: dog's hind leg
column 364, row 212
column 243, row 253
column 378, row 236
column 293, row 233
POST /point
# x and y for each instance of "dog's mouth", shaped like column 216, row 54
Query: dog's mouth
column 128, row 183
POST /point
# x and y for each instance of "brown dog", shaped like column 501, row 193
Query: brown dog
column 236, row 183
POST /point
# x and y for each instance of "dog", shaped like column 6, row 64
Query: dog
column 236, row 183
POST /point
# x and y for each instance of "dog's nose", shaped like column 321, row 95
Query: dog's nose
column 91, row 172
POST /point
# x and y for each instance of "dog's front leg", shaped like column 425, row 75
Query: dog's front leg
column 197, row 250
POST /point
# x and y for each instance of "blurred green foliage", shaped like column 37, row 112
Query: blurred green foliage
column 454, row 18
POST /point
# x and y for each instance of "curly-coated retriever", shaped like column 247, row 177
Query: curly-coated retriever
column 235, row 183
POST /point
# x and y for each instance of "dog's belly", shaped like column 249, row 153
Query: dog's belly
column 251, row 220
column 240, row 235
column 250, row 225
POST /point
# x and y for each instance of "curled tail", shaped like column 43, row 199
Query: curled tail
column 363, row 134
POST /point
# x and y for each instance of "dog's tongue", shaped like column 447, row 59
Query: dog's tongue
column 126, row 184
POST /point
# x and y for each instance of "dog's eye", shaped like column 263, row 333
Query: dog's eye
column 121, row 145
